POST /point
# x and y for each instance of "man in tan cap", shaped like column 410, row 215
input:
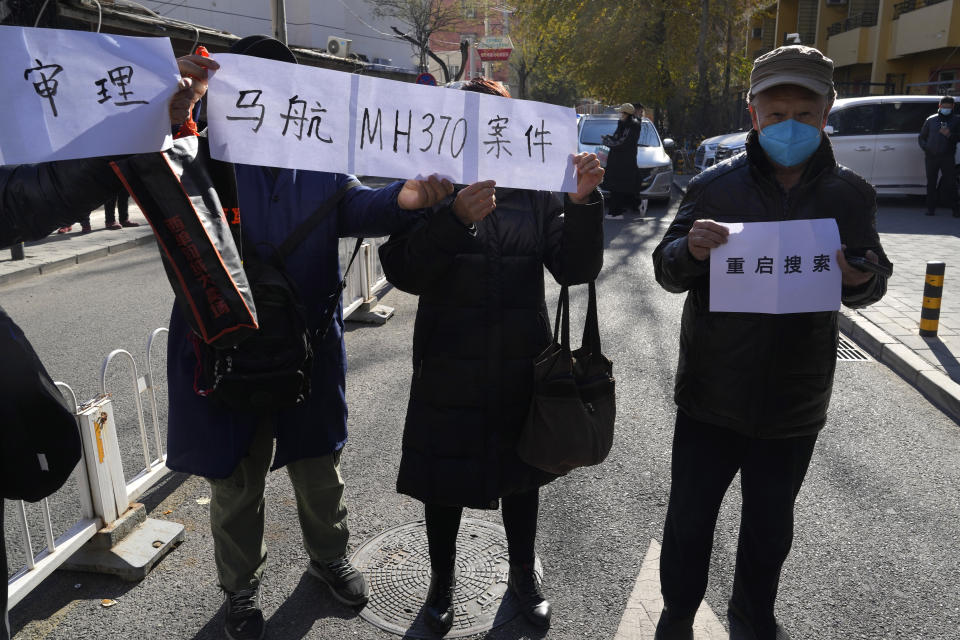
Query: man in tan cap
column 752, row 389
column 620, row 178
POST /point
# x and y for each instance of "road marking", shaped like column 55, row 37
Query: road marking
column 639, row 621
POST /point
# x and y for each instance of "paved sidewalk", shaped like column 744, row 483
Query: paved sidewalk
column 889, row 329
column 59, row 250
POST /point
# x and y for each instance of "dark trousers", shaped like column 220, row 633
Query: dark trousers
column 941, row 165
column 519, row 520
column 120, row 203
column 620, row 201
column 705, row 460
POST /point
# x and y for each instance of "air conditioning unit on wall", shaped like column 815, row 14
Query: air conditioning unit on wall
column 337, row 46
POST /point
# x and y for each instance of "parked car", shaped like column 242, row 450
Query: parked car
column 705, row 155
column 735, row 144
column 654, row 167
column 876, row 136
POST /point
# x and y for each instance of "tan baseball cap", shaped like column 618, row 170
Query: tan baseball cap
column 793, row 64
column 626, row 107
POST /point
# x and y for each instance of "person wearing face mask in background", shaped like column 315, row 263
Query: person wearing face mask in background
column 938, row 139
column 752, row 389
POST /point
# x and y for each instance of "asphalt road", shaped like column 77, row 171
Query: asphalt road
column 877, row 546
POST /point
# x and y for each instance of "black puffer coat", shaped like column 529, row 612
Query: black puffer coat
column 763, row 375
column 621, row 173
column 481, row 321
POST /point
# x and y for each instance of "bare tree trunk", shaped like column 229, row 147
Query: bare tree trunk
column 727, row 103
column 703, row 89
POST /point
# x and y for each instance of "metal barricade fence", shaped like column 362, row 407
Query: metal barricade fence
column 104, row 493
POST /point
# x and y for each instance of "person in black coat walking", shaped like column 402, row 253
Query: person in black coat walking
column 621, row 175
column 476, row 261
column 938, row 139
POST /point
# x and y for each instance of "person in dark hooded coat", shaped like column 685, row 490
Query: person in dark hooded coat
column 621, row 176
column 476, row 261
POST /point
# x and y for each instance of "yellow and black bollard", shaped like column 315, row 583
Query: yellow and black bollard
column 932, row 292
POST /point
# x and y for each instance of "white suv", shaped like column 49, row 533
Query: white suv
column 876, row 136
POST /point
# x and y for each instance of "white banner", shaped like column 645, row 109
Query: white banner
column 285, row 115
column 777, row 267
column 75, row 94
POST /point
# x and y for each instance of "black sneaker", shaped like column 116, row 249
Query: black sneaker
column 244, row 619
column 438, row 610
column 346, row 583
column 525, row 586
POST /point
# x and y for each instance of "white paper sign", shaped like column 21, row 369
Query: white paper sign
column 298, row 117
column 777, row 267
column 75, row 94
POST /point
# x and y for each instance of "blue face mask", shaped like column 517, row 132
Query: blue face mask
column 946, row 112
column 789, row 143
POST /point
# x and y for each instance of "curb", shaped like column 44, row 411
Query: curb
column 38, row 269
column 937, row 386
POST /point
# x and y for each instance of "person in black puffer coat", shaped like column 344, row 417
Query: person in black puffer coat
column 621, row 176
column 476, row 261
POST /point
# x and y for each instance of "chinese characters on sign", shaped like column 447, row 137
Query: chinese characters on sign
column 280, row 112
column 78, row 94
column 777, row 267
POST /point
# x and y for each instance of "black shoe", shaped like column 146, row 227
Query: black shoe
column 930, row 213
column 346, row 583
column 673, row 626
column 438, row 610
column 244, row 619
column 525, row 585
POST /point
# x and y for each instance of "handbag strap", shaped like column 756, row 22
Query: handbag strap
column 591, row 325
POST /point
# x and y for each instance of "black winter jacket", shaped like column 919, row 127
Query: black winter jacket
column 935, row 143
column 621, row 169
column 35, row 199
column 481, row 321
column 763, row 375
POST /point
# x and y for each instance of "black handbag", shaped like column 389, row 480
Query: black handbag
column 573, row 410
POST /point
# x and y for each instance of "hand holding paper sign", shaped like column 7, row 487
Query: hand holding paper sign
column 194, row 69
column 705, row 235
column 852, row 275
column 420, row 194
column 475, row 202
column 589, row 176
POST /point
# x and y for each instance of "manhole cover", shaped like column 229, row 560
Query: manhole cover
column 397, row 566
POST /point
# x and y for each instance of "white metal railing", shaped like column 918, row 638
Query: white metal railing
column 103, row 491
column 366, row 277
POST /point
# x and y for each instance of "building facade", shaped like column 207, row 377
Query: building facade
column 878, row 46
column 474, row 19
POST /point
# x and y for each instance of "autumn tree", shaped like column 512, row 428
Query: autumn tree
column 422, row 17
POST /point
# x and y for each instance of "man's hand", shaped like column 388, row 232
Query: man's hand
column 193, row 85
column 851, row 276
column 420, row 194
column 589, row 175
column 475, row 202
column 705, row 235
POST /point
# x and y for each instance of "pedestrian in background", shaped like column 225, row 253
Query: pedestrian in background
column 620, row 178
column 476, row 262
column 752, row 389
column 938, row 139
column 233, row 449
column 121, row 204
